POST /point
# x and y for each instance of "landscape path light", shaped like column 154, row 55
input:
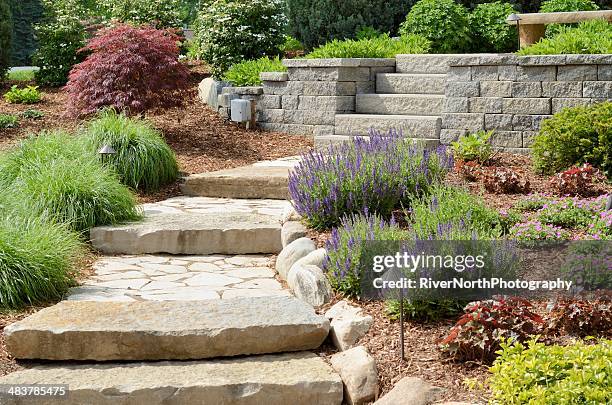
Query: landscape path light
column 106, row 151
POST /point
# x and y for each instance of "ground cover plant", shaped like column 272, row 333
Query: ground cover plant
column 247, row 73
column 144, row 64
column 381, row 46
column 25, row 95
column 8, row 121
column 142, row 160
column 589, row 37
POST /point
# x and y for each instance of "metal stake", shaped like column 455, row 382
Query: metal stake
column 401, row 305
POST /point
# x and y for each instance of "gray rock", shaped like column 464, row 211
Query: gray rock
column 358, row 372
column 315, row 258
column 310, row 284
column 490, row 105
column 291, row 253
column 158, row 330
column 209, row 91
column 411, row 391
column 496, row 89
column 576, row 73
column 527, row 106
column 468, row 121
column 562, row 89
column 526, row 89
column 462, row 89
column 348, row 324
column 293, row 378
column 291, row 231
column 456, row 105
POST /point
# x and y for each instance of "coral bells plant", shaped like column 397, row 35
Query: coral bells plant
column 132, row 69
column 578, row 180
column 378, row 175
column 581, row 318
column 503, row 180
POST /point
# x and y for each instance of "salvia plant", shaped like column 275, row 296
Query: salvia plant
column 377, row 174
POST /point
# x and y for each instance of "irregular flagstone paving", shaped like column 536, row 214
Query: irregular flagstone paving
column 211, row 205
column 172, row 278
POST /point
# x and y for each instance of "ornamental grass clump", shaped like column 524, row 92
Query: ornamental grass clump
column 143, row 159
column 378, row 175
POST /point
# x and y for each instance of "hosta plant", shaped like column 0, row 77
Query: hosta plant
column 26, row 95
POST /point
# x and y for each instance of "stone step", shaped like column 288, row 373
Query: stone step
column 400, row 104
column 323, row 141
column 166, row 330
column 262, row 180
column 198, row 226
column 293, row 378
column 427, row 63
column 405, row 83
column 420, row 127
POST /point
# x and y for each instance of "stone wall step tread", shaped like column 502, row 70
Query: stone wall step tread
column 410, row 83
column 297, row 378
column 412, row 126
column 400, row 104
column 167, row 330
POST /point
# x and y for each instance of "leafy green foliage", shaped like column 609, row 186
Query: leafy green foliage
column 32, row 114
column 553, row 6
column 61, row 35
column 143, row 160
column 378, row 47
column 425, row 310
column 247, row 73
column 26, row 95
column 473, row 147
column 291, row 45
column 230, row 31
column 315, row 22
column 593, row 36
column 159, row 13
column 575, row 136
column 55, row 176
column 8, row 121
column 6, row 36
column 367, row 33
column 444, row 22
column 25, row 13
column 534, row 373
column 489, row 27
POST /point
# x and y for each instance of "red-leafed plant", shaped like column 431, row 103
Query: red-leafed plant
column 503, row 180
column 581, row 318
column 478, row 333
column 578, row 180
column 469, row 170
column 132, row 69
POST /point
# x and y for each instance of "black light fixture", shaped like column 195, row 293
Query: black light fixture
column 105, row 151
column 515, row 17
column 609, row 204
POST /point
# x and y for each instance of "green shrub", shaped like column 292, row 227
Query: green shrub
column 6, row 36
column 61, row 35
column 315, row 22
column 425, row 310
column 593, row 36
column 247, row 73
column 8, row 121
column 55, row 176
column 489, row 27
column 367, row 33
column 575, row 136
column 143, row 160
column 291, row 45
column 378, row 47
column 230, row 31
column 553, row 6
column 26, row 95
column 475, row 146
column 159, row 13
column 444, row 22
column 32, row 114
column 579, row 373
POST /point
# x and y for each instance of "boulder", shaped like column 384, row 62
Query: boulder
column 209, row 90
column 348, row 324
column 358, row 372
column 291, row 231
column 315, row 258
column 291, row 254
column 310, row 284
column 411, row 391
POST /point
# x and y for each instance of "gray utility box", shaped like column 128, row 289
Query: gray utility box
column 241, row 110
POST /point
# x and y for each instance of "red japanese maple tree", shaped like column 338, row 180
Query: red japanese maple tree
column 130, row 68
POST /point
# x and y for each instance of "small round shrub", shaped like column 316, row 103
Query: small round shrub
column 159, row 13
column 143, row 160
column 230, row 31
column 575, row 136
column 144, row 67
column 381, row 46
column 247, row 73
column 444, row 22
column 553, row 6
column 492, row 33
column 6, row 35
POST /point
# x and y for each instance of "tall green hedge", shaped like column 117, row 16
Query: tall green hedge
column 6, row 26
column 26, row 13
column 315, row 22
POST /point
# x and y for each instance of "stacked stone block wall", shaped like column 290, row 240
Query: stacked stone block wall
column 512, row 95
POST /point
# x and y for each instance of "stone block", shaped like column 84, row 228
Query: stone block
column 314, row 88
column 411, row 391
column 225, row 100
column 380, row 69
column 526, row 89
column 484, row 73
column 526, row 106
column 456, row 105
column 507, row 139
column 357, row 369
column 275, row 87
column 289, row 102
column 244, row 91
column 291, row 253
column 496, row 89
column 528, row 122
column 451, row 135
column 508, row 72
column 542, row 60
column 340, row 74
column 327, row 103
column 468, row 121
column 597, row 89
column 559, row 104
column 459, row 74
column 294, row 117
column 604, row 72
column 273, row 76
column 462, row 89
column 528, row 138
column 576, row 73
column 485, row 104
column 268, row 101
column 498, row 122
column 318, row 117
column 323, row 130
column 536, row 73
column 562, row 89
column 298, row 129
column 271, row 115
column 589, row 59
column 365, row 87
column 348, row 324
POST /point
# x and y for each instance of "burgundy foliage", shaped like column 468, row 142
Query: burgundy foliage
column 581, row 318
column 133, row 69
column 503, row 180
column 578, row 180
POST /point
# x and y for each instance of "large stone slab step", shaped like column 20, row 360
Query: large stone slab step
column 400, row 104
column 420, row 127
column 405, row 83
column 198, row 226
column 294, row 378
column 167, row 330
column 427, row 63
